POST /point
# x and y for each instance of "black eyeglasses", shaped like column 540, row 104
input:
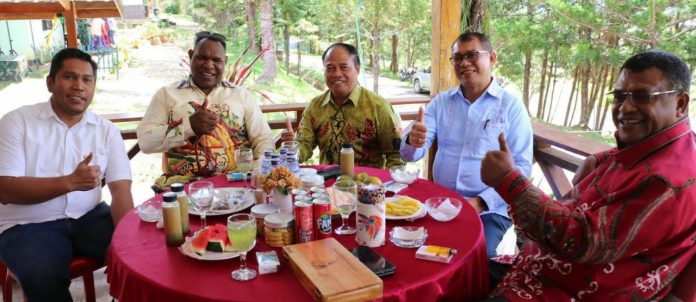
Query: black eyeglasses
column 469, row 56
column 638, row 97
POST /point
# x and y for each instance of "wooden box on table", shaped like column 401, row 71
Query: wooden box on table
column 331, row 273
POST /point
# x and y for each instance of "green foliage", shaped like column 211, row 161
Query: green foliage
column 173, row 7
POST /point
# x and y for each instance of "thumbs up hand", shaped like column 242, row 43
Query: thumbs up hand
column 497, row 164
column 287, row 133
column 85, row 177
column 416, row 137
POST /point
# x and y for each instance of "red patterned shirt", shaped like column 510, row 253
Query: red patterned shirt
column 622, row 234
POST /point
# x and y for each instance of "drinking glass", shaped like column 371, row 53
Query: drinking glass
column 346, row 199
column 243, row 157
column 241, row 229
column 291, row 146
column 201, row 194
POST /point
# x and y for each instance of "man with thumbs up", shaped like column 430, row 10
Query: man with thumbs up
column 53, row 157
column 466, row 121
column 628, row 227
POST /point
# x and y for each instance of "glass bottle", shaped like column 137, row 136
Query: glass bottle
column 347, row 159
column 172, row 220
column 181, row 197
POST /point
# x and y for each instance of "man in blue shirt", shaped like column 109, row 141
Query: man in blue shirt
column 466, row 121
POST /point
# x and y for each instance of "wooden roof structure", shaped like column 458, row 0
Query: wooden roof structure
column 71, row 10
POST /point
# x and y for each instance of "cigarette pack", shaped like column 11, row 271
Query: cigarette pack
column 268, row 262
column 436, row 253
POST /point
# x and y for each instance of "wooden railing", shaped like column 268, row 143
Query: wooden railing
column 554, row 150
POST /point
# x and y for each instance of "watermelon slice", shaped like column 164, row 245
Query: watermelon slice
column 218, row 241
column 200, row 241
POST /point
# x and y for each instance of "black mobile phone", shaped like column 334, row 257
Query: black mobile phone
column 377, row 264
column 332, row 172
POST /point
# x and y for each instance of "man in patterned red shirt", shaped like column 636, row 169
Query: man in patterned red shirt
column 628, row 228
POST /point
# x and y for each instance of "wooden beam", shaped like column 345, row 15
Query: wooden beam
column 27, row 16
column 446, row 20
column 567, row 141
column 64, row 3
column 98, row 13
column 31, row 7
column 71, row 25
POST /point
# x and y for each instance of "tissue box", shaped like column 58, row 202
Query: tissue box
column 268, row 262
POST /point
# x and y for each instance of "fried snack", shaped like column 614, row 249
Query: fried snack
column 403, row 206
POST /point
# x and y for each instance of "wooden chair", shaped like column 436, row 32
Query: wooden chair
column 79, row 266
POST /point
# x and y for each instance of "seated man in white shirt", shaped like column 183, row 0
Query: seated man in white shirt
column 53, row 156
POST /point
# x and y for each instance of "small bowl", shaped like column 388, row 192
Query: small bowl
column 404, row 174
column 408, row 232
column 150, row 211
column 443, row 208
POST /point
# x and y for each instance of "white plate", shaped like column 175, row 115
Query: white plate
column 418, row 214
column 187, row 250
column 239, row 199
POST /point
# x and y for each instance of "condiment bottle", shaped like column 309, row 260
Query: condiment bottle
column 172, row 220
column 181, row 197
column 347, row 159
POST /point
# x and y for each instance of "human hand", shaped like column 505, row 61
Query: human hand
column 478, row 203
column 203, row 122
column 497, row 164
column 85, row 177
column 416, row 137
column 589, row 164
column 287, row 134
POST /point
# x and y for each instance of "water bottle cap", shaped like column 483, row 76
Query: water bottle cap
column 169, row 197
column 347, row 145
column 177, row 187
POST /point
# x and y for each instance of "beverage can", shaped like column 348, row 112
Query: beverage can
column 322, row 218
column 317, row 190
column 303, row 222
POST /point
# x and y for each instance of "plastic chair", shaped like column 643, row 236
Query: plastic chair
column 79, row 266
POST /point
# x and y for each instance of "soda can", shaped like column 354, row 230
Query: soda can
column 322, row 217
column 317, row 189
column 298, row 192
column 303, row 222
column 320, row 196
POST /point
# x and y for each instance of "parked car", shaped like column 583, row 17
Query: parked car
column 421, row 81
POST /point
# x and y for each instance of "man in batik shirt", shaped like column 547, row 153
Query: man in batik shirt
column 349, row 113
column 628, row 228
column 200, row 122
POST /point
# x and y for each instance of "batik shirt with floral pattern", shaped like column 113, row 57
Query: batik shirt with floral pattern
column 622, row 234
column 166, row 128
column 364, row 119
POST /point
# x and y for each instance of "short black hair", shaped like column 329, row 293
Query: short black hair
column 201, row 35
column 350, row 48
column 675, row 70
column 69, row 53
column 470, row 35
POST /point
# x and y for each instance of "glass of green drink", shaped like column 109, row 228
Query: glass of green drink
column 241, row 229
column 346, row 199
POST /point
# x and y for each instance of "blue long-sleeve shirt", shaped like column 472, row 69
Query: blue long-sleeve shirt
column 465, row 131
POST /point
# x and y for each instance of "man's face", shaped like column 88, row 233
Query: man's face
column 635, row 122
column 340, row 72
column 476, row 72
column 72, row 89
column 207, row 64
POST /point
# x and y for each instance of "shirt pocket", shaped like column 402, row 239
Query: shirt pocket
column 488, row 137
column 101, row 158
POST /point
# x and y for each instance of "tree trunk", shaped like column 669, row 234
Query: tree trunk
column 375, row 49
column 599, row 96
column 299, row 60
column 552, row 86
column 585, row 109
column 269, row 59
column 606, row 108
column 547, row 103
column 251, row 24
column 540, row 106
column 394, row 66
column 567, row 119
column 527, row 63
column 286, row 42
column 409, row 52
column 476, row 10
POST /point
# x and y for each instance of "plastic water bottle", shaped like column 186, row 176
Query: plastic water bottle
column 266, row 161
column 292, row 163
column 283, row 157
column 275, row 163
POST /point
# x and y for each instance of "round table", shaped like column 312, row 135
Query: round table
column 142, row 268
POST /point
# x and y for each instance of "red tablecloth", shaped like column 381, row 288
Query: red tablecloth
column 143, row 268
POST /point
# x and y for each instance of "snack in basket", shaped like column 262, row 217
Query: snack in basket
column 403, row 206
column 212, row 238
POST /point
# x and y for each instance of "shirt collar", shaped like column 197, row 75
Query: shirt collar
column 493, row 90
column 629, row 156
column 354, row 97
column 47, row 112
column 188, row 83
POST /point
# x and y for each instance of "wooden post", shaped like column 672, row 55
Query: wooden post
column 71, row 24
column 446, row 22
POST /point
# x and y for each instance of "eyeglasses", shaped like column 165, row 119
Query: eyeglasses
column 469, row 56
column 206, row 34
column 638, row 97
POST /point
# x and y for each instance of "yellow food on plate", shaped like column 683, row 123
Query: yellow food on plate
column 403, row 206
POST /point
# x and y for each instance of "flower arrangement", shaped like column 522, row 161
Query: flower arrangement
column 280, row 179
